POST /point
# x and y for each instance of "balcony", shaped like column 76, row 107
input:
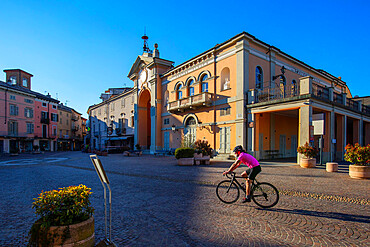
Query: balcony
column 192, row 102
column 45, row 120
column 96, row 133
column 275, row 93
column 75, row 128
column 74, row 118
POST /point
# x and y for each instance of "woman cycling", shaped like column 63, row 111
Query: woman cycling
column 253, row 169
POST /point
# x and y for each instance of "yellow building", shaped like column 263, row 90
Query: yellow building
column 244, row 92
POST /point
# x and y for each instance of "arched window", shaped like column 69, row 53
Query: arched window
column 259, row 77
column 225, row 79
column 190, row 122
column 191, row 88
column 179, row 92
column 204, row 83
column 294, row 87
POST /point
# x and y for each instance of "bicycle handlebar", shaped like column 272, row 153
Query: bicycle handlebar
column 230, row 175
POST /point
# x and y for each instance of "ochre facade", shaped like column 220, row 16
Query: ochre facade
column 244, row 92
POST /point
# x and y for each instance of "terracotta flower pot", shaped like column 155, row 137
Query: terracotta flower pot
column 185, row 161
column 307, row 163
column 356, row 171
column 331, row 167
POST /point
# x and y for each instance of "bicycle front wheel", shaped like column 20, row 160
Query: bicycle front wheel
column 265, row 195
column 227, row 192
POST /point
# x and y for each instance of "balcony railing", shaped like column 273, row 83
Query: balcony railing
column 74, row 118
column 278, row 92
column 366, row 109
column 96, row 133
column 199, row 100
column 320, row 92
column 338, row 98
column 352, row 104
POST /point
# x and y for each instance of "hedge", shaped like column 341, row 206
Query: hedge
column 184, row 153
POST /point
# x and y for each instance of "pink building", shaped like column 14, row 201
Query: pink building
column 46, row 121
column 27, row 118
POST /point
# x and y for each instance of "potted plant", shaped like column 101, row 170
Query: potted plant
column 66, row 218
column 308, row 152
column 138, row 147
column 204, row 147
column 185, row 156
column 360, row 158
column 198, row 153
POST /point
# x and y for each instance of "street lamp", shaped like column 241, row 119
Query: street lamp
column 174, row 128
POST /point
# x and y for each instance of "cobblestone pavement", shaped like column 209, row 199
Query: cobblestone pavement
column 157, row 203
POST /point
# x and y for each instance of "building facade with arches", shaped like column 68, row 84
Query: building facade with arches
column 244, row 92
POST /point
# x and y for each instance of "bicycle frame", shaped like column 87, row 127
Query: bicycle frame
column 233, row 178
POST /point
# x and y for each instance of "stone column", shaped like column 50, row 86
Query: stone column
column 344, row 133
column 332, row 135
column 242, row 87
column 305, row 121
column 361, row 134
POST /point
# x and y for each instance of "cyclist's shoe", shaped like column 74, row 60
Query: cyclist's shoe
column 246, row 199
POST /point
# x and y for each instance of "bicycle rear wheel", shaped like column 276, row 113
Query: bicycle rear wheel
column 227, row 192
column 265, row 195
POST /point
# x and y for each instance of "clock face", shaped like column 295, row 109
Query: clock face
column 142, row 77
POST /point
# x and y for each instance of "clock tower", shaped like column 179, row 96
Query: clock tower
column 146, row 74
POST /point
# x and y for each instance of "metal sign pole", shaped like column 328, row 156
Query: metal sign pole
column 104, row 180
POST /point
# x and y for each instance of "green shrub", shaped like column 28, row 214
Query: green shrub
column 184, row 153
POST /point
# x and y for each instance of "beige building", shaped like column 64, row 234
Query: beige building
column 111, row 122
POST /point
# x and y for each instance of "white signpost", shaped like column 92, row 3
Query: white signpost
column 104, row 180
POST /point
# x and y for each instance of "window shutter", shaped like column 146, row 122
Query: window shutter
column 16, row 110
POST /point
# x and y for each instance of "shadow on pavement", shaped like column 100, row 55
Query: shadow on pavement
column 331, row 215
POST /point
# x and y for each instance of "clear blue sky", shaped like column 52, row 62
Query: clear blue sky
column 77, row 49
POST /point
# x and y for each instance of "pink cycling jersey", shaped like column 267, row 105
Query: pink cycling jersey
column 248, row 160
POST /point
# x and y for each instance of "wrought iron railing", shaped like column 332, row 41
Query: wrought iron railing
column 352, row 104
column 320, row 91
column 366, row 109
column 274, row 93
column 338, row 98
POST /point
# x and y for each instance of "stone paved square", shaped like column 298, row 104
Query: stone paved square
column 157, row 203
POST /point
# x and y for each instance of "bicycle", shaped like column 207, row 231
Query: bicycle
column 263, row 194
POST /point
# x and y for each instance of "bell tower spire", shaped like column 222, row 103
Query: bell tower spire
column 145, row 39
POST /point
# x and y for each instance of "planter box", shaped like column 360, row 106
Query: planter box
column 307, row 163
column 185, row 161
column 331, row 167
column 360, row 172
column 80, row 234
column 198, row 155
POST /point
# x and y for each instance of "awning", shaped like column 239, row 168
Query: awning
column 119, row 138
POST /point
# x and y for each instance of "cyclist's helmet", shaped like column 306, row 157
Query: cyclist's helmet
column 238, row 148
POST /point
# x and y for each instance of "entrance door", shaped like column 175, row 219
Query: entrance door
column 294, row 145
column 166, row 140
column 282, row 145
column 225, row 139
column 190, row 134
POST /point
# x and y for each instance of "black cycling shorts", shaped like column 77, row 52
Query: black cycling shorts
column 252, row 172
